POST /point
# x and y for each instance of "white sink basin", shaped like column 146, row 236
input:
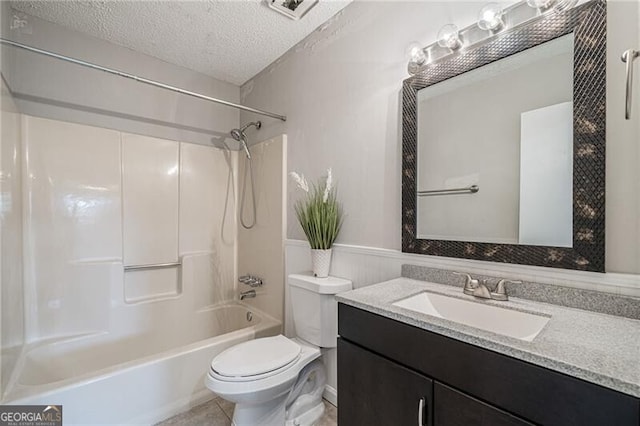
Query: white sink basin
column 508, row 322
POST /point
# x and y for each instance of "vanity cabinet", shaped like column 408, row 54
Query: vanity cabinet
column 386, row 367
column 374, row 390
column 377, row 391
column 455, row 408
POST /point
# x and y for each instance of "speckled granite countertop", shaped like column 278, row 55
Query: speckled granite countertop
column 597, row 348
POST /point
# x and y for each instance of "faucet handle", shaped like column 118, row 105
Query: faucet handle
column 482, row 290
column 500, row 292
column 470, row 284
column 251, row 280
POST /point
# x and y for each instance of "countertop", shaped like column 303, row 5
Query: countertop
column 598, row 348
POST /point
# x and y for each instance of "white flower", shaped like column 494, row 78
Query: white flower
column 327, row 188
column 300, row 180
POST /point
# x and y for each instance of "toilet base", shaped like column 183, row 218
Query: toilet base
column 309, row 417
column 270, row 413
column 273, row 414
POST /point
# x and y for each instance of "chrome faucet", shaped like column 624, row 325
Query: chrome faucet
column 249, row 294
column 251, row 281
column 477, row 288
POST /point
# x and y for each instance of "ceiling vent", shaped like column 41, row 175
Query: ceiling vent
column 293, row 9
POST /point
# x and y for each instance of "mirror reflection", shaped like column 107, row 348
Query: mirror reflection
column 495, row 151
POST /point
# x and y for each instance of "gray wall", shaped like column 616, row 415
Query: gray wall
column 50, row 88
column 341, row 88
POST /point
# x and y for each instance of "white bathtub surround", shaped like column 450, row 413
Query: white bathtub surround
column 12, row 288
column 260, row 249
column 93, row 329
column 72, row 226
column 208, row 221
column 140, row 380
column 176, row 198
column 150, row 179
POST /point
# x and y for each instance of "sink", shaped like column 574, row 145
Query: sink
column 508, row 322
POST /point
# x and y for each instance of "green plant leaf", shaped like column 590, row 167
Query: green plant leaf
column 320, row 220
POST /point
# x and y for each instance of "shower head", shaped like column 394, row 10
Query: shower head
column 238, row 134
column 256, row 124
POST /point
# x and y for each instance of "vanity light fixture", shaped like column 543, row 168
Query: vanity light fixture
column 449, row 36
column 491, row 17
column 417, row 57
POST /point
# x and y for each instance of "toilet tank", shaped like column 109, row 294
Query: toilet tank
column 315, row 310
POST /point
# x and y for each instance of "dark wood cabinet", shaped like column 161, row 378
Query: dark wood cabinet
column 376, row 391
column 454, row 408
column 470, row 385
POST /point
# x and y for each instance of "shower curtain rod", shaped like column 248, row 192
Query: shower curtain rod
column 141, row 79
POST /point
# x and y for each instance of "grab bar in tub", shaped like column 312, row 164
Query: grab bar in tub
column 151, row 266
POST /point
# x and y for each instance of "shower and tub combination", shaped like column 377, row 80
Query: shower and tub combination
column 129, row 267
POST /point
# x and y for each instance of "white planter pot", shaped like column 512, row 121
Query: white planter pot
column 321, row 262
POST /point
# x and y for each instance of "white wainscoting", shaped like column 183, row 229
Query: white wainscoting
column 367, row 265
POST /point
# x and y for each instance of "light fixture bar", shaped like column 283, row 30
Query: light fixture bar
column 513, row 17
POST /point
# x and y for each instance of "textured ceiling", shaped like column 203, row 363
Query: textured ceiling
column 230, row 40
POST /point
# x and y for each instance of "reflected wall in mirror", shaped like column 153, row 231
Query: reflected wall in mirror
column 504, row 146
column 507, row 128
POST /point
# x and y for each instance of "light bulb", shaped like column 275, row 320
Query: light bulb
column 417, row 57
column 449, row 36
column 416, row 53
column 562, row 5
column 490, row 17
column 540, row 4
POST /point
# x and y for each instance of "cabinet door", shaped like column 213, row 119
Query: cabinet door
column 453, row 408
column 375, row 391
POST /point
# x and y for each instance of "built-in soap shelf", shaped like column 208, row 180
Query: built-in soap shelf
column 152, row 282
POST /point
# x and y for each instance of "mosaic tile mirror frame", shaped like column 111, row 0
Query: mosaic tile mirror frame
column 587, row 22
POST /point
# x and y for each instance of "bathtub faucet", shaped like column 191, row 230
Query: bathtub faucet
column 249, row 294
column 251, row 280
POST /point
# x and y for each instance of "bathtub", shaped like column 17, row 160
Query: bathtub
column 135, row 380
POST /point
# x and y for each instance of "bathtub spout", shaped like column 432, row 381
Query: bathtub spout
column 249, row 294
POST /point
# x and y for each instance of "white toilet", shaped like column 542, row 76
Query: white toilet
column 276, row 381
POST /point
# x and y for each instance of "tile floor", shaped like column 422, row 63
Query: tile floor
column 218, row 412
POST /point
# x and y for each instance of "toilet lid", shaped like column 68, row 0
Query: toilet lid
column 256, row 357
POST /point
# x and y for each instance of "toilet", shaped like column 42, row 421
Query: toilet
column 277, row 381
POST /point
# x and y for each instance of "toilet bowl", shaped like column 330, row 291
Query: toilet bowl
column 276, row 381
column 260, row 375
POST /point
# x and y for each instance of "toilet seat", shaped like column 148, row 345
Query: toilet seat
column 256, row 359
column 272, row 382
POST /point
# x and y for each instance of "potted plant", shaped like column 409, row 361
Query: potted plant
column 320, row 216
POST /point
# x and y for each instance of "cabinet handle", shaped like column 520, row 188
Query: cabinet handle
column 421, row 405
column 628, row 57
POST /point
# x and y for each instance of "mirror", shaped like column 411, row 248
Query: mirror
column 506, row 129
column 503, row 146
